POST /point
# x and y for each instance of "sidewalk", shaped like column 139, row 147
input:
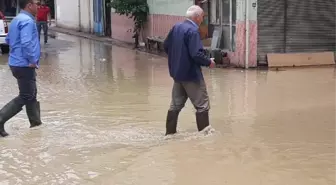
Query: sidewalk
column 53, row 30
column 110, row 41
column 106, row 40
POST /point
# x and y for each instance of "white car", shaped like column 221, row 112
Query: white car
column 3, row 33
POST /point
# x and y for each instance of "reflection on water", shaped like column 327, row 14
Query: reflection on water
column 104, row 110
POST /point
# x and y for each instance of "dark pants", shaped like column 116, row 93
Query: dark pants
column 198, row 95
column 43, row 25
column 26, row 79
column 195, row 91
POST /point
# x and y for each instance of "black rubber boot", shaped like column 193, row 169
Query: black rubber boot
column 3, row 133
column 202, row 120
column 7, row 112
column 34, row 114
column 171, row 122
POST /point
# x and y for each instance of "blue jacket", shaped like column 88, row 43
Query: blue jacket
column 23, row 41
column 185, row 52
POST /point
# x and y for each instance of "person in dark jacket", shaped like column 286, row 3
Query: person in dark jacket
column 23, row 59
column 186, row 55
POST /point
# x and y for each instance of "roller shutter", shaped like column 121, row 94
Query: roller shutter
column 310, row 26
column 270, row 28
column 286, row 26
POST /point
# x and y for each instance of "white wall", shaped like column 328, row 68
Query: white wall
column 241, row 10
column 86, row 11
column 68, row 14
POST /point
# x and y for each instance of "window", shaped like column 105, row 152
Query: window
column 223, row 12
column 214, row 19
column 216, row 11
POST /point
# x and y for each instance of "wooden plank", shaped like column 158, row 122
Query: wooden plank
column 216, row 38
column 300, row 59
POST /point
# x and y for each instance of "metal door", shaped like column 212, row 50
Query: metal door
column 286, row 26
column 310, row 26
column 98, row 16
column 271, row 27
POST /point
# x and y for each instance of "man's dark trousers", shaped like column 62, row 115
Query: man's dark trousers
column 196, row 91
column 26, row 79
column 43, row 25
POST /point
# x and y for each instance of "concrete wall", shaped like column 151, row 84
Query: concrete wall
column 86, row 19
column 75, row 14
column 163, row 15
column 238, row 57
column 169, row 7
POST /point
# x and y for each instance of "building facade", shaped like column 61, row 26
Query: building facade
column 163, row 15
column 75, row 15
column 94, row 16
column 226, row 14
column 295, row 26
column 248, row 29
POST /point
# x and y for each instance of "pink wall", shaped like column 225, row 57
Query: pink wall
column 159, row 25
column 237, row 58
column 122, row 28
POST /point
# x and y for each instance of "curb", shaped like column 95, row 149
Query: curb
column 105, row 40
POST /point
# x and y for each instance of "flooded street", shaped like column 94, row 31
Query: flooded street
column 104, row 110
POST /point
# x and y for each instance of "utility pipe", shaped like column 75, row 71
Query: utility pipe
column 90, row 20
column 230, row 47
column 247, row 33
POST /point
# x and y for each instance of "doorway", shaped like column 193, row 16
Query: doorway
column 51, row 5
column 107, row 19
column 98, row 15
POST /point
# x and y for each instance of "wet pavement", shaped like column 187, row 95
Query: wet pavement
column 104, row 110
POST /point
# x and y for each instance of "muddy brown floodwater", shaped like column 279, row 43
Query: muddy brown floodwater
column 104, row 111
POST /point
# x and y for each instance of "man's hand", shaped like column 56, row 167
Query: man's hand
column 213, row 63
column 32, row 65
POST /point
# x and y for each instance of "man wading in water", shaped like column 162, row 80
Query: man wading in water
column 23, row 59
column 185, row 58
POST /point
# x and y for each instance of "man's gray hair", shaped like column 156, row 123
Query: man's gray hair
column 194, row 11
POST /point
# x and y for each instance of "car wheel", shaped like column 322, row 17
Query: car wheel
column 5, row 49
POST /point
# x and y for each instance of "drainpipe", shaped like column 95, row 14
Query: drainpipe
column 230, row 16
column 79, row 16
column 90, row 26
column 247, row 33
column 56, row 14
